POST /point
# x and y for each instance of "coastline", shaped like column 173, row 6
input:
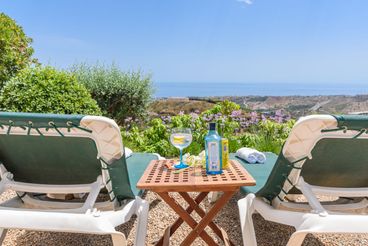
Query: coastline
column 221, row 89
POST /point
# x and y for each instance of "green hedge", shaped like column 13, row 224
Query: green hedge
column 46, row 90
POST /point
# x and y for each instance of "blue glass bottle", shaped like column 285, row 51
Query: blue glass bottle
column 213, row 151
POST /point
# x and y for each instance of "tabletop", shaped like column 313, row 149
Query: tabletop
column 157, row 177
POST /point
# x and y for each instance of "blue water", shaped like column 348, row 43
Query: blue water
column 204, row 89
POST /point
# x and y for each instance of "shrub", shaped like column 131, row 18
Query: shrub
column 120, row 95
column 46, row 90
column 225, row 108
column 15, row 49
column 255, row 131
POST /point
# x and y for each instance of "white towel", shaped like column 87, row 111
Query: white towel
column 251, row 155
column 261, row 158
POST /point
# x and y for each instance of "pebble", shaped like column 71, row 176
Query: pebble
column 161, row 216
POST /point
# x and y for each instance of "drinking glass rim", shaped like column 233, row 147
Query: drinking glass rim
column 181, row 128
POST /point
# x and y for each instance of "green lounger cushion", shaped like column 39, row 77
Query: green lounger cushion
column 260, row 172
column 50, row 160
column 338, row 162
column 58, row 160
column 137, row 164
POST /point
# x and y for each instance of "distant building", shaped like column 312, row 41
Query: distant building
column 178, row 99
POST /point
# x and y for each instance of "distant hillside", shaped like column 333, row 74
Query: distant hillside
column 304, row 105
column 172, row 106
column 295, row 105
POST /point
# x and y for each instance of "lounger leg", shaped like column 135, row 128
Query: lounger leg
column 118, row 239
column 297, row 238
column 246, row 209
column 3, row 232
column 213, row 196
column 142, row 217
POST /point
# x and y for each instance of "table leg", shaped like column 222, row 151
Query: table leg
column 188, row 219
column 166, row 237
column 219, row 231
column 199, row 228
column 200, row 197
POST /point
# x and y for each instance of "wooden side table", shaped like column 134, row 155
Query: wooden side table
column 159, row 179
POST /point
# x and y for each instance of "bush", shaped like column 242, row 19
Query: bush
column 253, row 130
column 120, row 95
column 15, row 49
column 225, row 108
column 46, row 90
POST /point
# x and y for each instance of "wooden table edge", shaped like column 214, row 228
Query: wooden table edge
column 142, row 185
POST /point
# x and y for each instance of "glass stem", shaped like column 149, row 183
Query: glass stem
column 181, row 156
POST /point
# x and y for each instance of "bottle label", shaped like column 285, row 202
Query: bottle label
column 225, row 152
column 213, row 157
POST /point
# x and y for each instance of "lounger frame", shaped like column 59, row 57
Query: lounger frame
column 26, row 212
column 313, row 217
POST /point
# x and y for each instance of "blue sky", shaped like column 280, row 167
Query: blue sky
column 291, row 41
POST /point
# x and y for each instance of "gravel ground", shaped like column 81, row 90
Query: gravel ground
column 161, row 216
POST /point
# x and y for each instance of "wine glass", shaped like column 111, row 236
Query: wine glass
column 181, row 138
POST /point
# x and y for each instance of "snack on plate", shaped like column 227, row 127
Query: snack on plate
column 193, row 160
column 169, row 165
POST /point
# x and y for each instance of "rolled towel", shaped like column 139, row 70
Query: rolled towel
column 261, row 158
column 247, row 154
column 251, row 155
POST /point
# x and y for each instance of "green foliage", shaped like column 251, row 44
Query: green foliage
column 271, row 135
column 264, row 135
column 15, row 49
column 225, row 108
column 46, row 90
column 120, row 95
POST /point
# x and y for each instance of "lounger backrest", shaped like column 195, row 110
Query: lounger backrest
column 64, row 149
column 325, row 150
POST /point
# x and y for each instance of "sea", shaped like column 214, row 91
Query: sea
column 206, row 89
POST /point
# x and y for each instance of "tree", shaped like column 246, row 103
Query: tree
column 15, row 49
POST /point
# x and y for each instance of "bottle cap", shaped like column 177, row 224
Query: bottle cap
column 212, row 126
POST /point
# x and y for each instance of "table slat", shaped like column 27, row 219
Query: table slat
column 159, row 178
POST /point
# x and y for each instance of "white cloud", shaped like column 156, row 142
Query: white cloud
column 248, row 2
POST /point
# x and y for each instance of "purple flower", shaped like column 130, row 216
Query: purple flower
column 254, row 118
column 127, row 120
column 236, row 113
column 244, row 124
column 166, row 119
column 194, row 116
column 263, row 117
column 218, row 116
column 279, row 119
column 181, row 113
column 207, row 117
column 279, row 113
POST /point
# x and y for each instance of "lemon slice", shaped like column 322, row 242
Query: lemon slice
column 179, row 140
